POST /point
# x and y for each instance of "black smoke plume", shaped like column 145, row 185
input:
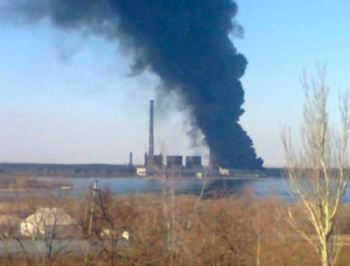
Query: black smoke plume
column 185, row 42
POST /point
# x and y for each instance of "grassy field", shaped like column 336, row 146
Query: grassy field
column 166, row 229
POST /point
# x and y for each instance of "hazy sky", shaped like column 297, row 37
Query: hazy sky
column 68, row 99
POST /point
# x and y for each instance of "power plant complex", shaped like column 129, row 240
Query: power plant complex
column 155, row 162
column 185, row 166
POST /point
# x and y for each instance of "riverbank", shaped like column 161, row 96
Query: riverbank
column 116, row 171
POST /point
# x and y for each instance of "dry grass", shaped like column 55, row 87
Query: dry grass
column 171, row 231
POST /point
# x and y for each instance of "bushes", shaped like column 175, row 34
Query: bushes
column 23, row 182
column 225, row 231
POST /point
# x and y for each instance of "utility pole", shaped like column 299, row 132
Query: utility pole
column 91, row 219
column 92, row 209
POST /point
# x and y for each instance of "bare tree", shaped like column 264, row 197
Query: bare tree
column 318, row 171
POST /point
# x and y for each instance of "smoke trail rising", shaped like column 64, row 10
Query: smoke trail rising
column 185, row 42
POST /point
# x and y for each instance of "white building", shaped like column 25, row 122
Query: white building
column 49, row 222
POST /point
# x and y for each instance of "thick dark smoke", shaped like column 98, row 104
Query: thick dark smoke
column 186, row 43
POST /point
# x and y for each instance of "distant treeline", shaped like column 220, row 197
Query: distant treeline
column 106, row 170
column 65, row 170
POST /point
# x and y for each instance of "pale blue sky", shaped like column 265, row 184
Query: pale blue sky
column 68, row 99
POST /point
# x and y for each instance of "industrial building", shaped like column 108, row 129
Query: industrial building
column 153, row 162
column 193, row 162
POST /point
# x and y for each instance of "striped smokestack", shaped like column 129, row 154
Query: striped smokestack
column 150, row 159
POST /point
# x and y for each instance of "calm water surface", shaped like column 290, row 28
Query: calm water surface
column 260, row 188
column 267, row 187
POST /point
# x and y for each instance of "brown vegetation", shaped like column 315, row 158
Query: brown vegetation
column 23, row 182
column 225, row 231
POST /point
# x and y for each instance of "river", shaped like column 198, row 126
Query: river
column 257, row 187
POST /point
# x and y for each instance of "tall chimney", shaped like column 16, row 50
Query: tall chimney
column 130, row 158
column 150, row 159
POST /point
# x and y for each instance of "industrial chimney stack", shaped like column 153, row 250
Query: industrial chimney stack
column 150, row 159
